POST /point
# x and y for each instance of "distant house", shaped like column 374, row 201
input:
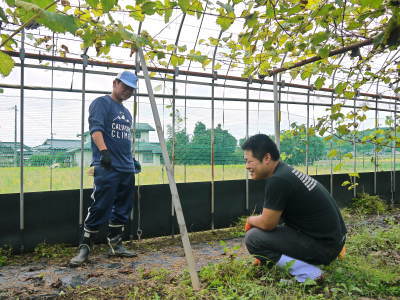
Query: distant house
column 56, row 145
column 75, row 153
column 54, row 151
column 10, row 154
column 147, row 153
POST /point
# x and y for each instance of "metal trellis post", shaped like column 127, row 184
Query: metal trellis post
column 276, row 112
column 212, row 151
column 393, row 177
column 247, row 136
column 307, row 127
column 84, row 65
column 51, row 113
column 185, row 126
column 354, row 152
column 375, row 147
column 176, row 73
column 393, row 183
column 331, row 142
column 15, row 136
column 135, row 121
column 21, row 158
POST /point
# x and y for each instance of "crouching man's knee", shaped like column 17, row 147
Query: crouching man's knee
column 252, row 240
column 258, row 243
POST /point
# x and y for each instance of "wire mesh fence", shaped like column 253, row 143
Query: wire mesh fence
column 193, row 109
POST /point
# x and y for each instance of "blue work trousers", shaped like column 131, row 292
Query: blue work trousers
column 112, row 198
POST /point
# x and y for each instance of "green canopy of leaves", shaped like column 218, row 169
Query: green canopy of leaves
column 271, row 34
column 6, row 64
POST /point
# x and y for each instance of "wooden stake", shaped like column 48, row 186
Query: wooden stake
column 172, row 184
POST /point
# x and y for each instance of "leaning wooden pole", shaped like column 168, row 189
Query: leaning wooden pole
column 172, row 184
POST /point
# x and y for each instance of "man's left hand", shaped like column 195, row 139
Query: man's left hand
column 105, row 159
column 138, row 167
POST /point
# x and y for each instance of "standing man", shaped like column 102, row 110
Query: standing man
column 312, row 232
column 110, row 125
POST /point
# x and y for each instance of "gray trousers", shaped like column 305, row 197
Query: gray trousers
column 268, row 246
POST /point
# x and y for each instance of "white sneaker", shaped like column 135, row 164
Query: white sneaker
column 300, row 269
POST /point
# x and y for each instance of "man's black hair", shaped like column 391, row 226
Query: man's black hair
column 261, row 144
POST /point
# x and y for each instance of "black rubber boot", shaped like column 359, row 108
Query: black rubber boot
column 82, row 256
column 84, row 250
column 114, row 240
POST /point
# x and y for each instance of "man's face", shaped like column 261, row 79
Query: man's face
column 121, row 91
column 258, row 169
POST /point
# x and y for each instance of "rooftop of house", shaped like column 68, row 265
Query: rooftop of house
column 144, row 147
column 143, row 127
column 13, row 144
column 58, row 144
column 87, row 147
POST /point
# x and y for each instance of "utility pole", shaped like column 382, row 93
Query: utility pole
column 15, row 109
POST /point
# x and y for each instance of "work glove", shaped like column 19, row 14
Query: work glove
column 247, row 227
column 105, row 159
column 138, row 167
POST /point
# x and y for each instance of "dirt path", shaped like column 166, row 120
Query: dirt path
column 47, row 281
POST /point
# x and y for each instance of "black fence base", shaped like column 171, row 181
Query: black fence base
column 53, row 217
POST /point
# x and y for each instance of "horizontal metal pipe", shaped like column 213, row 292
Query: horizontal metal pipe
column 192, row 82
column 65, row 69
column 188, row 73
column 196, row 83
column 187, row 97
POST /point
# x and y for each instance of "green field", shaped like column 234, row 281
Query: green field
column 46, row 179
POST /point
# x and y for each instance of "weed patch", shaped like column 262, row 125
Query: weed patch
column 5, row 255
column 44, row 250
column 366, row 204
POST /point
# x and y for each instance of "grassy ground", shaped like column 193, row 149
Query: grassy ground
column 370, row 269
column 46, row 179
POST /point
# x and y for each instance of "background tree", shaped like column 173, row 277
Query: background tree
column 197, row 149
column 200, row 146
column 293, row 145
column 225, row 146
column 181, row 145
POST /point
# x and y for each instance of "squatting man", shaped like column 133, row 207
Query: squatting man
column 110, row 125
column 300, row 220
